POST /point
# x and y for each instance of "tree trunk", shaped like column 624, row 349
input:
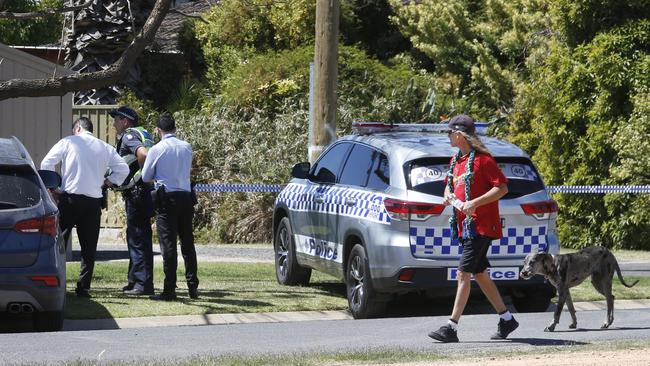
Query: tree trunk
column 323, row 131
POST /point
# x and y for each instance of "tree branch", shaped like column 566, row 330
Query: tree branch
column 93, row 80
column 43, row 13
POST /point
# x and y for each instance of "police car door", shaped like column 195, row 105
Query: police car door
column 319, row 244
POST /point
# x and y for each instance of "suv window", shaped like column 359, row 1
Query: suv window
column 366, row 167
column 379, row 175
column 357, row 167
column 522, row 176
column 427, row 175
column 19, row 187
column 327, row 168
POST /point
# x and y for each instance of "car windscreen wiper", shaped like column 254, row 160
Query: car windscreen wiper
column 5, row 205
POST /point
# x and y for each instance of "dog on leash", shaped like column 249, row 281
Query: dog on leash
column 568, row 270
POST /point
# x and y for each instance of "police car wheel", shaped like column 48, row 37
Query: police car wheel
column 532, row 301
column 363, row 301
column 287, row 270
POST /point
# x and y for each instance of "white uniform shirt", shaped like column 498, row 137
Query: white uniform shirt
column 84, row 160
column 169, row 163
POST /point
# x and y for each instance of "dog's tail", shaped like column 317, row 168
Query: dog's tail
column 620, row 277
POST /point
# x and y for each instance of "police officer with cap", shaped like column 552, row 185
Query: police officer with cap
column 169, row 164
column 133, row 142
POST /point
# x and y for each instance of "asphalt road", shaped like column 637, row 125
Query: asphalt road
column 181, row 343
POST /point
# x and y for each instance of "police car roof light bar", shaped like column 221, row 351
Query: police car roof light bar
column 369, row 128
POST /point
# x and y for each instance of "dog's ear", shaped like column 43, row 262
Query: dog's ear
column 548, row 264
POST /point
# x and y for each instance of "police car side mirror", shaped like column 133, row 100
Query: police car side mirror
column 301, row 170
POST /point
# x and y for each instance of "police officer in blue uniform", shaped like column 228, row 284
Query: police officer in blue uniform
column 133, row 142
column 169, row 165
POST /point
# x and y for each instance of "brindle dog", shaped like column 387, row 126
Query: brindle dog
column 568, row 270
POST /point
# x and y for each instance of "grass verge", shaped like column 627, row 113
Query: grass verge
column 399, row 356
column 242, row 288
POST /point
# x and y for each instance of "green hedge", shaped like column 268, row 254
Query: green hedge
column 584, row 118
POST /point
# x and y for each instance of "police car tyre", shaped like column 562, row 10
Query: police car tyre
column 532, row 301
column 48, row 321
column 363, row 300
column 287, row 269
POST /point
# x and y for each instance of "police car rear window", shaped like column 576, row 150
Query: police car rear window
column 427, row 175
column 19, row 187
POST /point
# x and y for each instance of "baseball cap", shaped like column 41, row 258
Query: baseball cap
column 463, row 123
column 125, row 111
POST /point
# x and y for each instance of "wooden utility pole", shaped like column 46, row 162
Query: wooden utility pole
column 323, row 130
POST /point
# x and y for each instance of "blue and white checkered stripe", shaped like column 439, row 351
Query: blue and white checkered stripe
column 436, row 242
column 369, row 205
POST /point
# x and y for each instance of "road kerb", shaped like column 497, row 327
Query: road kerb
column 276, row 317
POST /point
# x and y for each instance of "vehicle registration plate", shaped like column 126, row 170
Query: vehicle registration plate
column 496, row 273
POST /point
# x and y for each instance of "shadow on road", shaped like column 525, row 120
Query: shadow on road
column 22, row 323
column 415, row 304
column 410, row 305
column 545, row 342
column 599, row 329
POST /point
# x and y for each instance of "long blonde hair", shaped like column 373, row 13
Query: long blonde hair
column 475, row 143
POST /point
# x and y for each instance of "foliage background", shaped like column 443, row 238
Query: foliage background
column 33, row 32
column 566, row 80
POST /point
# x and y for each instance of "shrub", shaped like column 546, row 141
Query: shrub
column 583, row 118
column 376, row 91
column 236, row 146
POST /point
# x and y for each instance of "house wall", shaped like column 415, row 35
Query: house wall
column 38, row 122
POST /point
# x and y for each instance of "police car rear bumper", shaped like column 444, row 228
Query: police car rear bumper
column 410, row 279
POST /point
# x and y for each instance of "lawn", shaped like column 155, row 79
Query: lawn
column 224, row 288
column 241, row 288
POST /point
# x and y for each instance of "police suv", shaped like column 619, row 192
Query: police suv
column 369, row 211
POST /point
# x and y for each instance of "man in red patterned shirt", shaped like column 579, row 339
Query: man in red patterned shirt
column 474, row 184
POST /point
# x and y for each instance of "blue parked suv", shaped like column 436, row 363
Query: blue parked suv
column 32, row 250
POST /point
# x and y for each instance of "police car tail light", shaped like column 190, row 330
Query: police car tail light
column 540, row 210
column 404, row 210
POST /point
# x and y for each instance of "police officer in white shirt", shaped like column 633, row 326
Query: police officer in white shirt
column 169, row 164
column 85, row 160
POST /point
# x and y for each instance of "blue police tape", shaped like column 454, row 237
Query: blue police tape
column 238, row 187
column 274, row 188
column 599, row 189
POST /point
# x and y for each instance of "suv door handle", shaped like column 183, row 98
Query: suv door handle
column 319, row 199
column 350, row 201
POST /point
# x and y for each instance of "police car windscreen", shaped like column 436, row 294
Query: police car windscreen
column 19, row 187
column 427, row 175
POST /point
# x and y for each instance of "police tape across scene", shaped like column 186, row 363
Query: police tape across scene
column 274, row 188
